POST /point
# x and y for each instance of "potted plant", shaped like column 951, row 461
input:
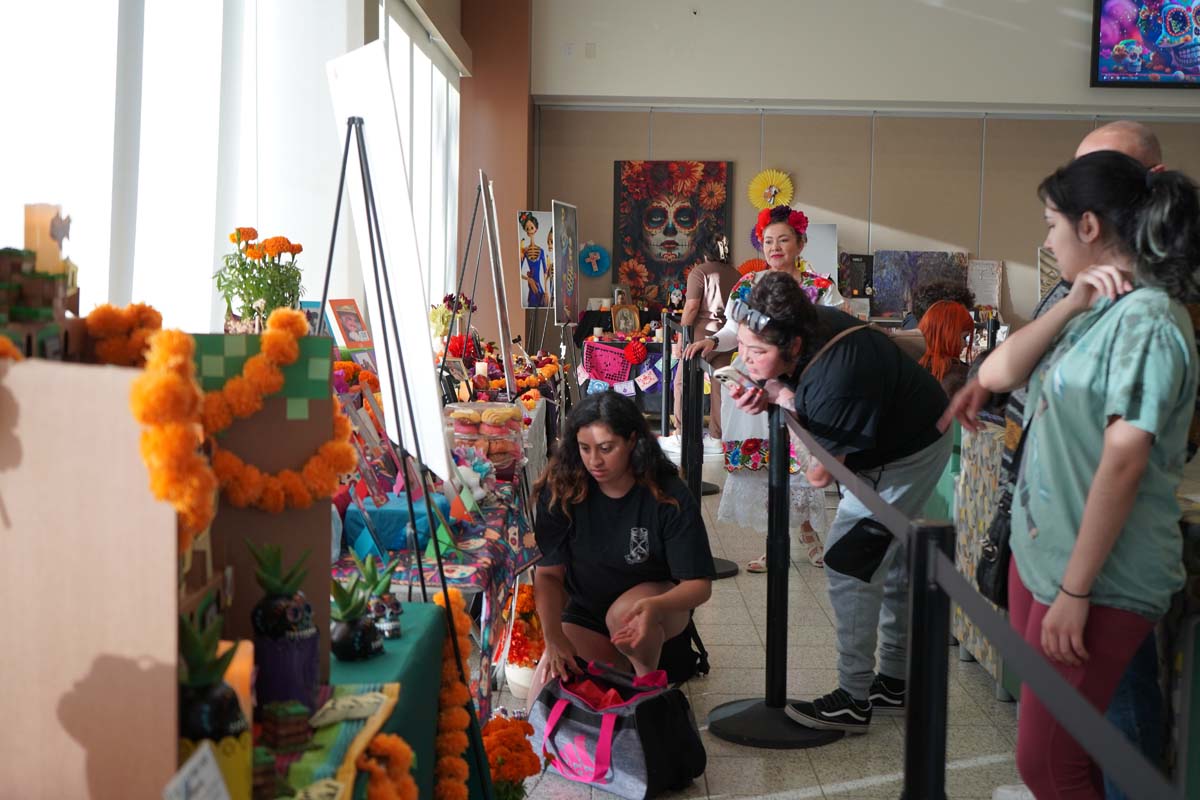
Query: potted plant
column 384, row 606
column 208, row 707
column 526, row 644
column 354, row 636
column 259, row 278
column 286, row 645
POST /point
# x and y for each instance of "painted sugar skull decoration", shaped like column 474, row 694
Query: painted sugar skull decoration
column 386, row 610
column 382, row 606
column 1181, row 35
column 284, row 611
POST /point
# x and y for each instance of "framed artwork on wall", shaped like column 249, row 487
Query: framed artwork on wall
column 535, row 236
column 565, row 253
column 665, row 213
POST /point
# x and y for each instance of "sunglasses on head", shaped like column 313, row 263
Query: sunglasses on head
column 756, row 321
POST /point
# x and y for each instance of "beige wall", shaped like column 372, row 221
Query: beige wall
column 937, row 183
column 877, row 54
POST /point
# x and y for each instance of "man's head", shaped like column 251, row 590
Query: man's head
column 1125, row 136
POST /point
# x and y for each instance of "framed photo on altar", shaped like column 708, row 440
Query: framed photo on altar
column 457, row 369
column 625, row 319
column 621, row 294
column 349, row 328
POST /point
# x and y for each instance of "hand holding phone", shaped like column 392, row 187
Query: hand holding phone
column 733, row 375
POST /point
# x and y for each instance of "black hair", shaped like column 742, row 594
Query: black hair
column 1153, row 216
column 525, row 217
column 779, row 296
column 930, row 293
column 717, row 249
column 782, row 213
column 565, row 477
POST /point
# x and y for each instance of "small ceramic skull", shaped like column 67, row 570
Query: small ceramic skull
column 386, row 610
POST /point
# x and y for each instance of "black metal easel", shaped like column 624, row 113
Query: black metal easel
column 391, row 335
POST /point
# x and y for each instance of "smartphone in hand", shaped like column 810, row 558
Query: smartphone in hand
column 733, row 375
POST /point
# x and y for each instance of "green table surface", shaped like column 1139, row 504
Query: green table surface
column 415, row 662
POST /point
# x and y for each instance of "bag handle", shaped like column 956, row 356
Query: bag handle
column 603, row 757
column 825, row 348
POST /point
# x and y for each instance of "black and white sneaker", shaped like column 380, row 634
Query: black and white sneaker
column 887, row 696
column 836, row 711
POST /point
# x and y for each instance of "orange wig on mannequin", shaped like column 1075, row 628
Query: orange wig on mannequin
column 944, row 325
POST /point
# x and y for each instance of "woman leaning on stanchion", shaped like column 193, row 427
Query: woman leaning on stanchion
column 1111, row 372
column 625, row 554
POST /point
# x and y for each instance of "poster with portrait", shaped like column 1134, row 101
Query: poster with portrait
column 664, row 215
column 348, row 327
column 535, row 238
column 564, row 255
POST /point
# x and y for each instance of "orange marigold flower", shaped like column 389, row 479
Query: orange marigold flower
column 243, row 399
column 226, row 465
column 106, row 320
column 243, row 235
column 280, row 346
column 9, row 349
column 288, row 319
column 455, row 694
column 254, row 253
column 115, row 351
column 264, row 376
column 273, row 499
column 161, row 397
column 215, row 413
column 349, row 370
column 294, row 489
column 371, row 380
column 319, row 479
column 455, row 718
column 450, row 790
column 246, row 486
column 145, row 316
column 456, row 600
column 451, row 767
column 296, row 249
column 342, row 427
column 450, row 743
column 340, row 456
column 171, row 350
column 276, row 245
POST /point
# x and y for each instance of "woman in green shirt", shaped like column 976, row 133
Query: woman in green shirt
column 1112, row 372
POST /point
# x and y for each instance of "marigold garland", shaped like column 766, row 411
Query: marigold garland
column 165, row 399
column 121, row 335
column 388, row 763
column 451, row 770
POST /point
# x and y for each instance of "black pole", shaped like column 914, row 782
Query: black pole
column 928, row 670
column 779, row 558
column 668, row 387
column 462, row 276
column 351, row 122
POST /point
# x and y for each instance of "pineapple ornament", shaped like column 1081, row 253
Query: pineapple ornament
column 384, row 606
column 208, row 707
column 353, row 636
column 287, row 657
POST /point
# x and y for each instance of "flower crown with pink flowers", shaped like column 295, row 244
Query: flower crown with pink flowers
column 769, row 216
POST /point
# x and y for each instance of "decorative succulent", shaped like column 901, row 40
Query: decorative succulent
column 198, row 648
column 378, row 582
column 284, row 611
column 353, row 635
column 349, row 604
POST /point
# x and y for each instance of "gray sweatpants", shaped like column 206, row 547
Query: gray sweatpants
column 866, row 569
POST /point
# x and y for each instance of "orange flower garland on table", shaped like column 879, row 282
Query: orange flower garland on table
column 388, row 763
column 9, row 349
column 510, row 756
column 451, row 770
column 165, row 399
column 122, row 334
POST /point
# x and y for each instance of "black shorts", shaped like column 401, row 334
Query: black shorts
column 677, row 657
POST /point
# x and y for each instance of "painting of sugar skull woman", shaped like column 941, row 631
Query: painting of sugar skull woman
column 664, row 215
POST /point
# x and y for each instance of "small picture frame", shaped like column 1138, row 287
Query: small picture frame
column 621, row 295
column 312, row 313
column 625, row 319
column 350, row 331
column 365, row 359
column 457, row 369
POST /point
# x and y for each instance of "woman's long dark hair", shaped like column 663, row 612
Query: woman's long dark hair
column 1153, row 216
column 779, row 296
column 568, row 481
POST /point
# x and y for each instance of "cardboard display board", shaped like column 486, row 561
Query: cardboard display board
column 87, row 591
column 291, row 426
column 360, row 87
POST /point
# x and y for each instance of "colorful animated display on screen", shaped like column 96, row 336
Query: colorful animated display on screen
column 1151, row 43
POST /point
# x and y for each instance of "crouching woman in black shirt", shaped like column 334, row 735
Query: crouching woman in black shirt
column 625, row 555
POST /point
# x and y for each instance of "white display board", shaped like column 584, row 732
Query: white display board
column 360, row 87
column 821, row 252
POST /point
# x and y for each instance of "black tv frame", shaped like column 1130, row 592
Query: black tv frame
column 1094, row 67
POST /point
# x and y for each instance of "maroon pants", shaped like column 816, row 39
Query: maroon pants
column 1050, row 761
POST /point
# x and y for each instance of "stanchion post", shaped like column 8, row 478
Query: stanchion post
column 928, row 669
column 668, row 386
column 693, row 421
column 779, row 558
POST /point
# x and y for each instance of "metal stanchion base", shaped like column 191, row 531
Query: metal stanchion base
column 725, row 568
column 753, row 724
column 707, row 489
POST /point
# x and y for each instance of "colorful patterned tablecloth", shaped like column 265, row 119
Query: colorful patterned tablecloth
column 487, row 560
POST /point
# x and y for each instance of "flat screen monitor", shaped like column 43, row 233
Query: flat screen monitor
column 1146, row 44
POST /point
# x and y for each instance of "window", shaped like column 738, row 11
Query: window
column 425, row 87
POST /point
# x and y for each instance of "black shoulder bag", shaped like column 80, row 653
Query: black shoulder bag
column 991, row 573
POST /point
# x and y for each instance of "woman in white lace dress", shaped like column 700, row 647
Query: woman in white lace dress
column 782, row 232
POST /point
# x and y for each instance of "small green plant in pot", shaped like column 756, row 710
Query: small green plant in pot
column 384, row 606
column 353, row 636
column 259, row 278
column 208, row 707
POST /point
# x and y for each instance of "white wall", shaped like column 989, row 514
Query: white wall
column 1018, row 55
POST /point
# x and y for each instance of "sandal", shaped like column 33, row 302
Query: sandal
column 816, row 550
column 758, row 565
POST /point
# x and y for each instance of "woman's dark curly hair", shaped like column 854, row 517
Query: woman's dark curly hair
column 526, row 216
column 1155, row 217
column 779, row 296
column 567, row 481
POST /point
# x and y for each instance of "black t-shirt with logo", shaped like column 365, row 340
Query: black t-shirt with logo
column 609, row 545
column 866, row 399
